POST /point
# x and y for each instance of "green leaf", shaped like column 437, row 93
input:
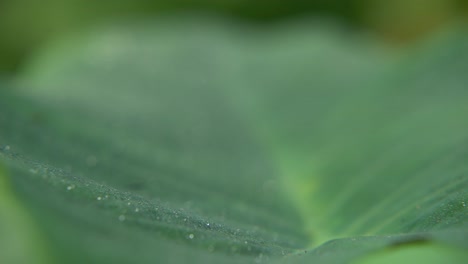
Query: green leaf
column 20, row 242
column 181, row 141
column 419, row 254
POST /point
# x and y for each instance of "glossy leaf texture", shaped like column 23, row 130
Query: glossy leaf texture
column 190, row 140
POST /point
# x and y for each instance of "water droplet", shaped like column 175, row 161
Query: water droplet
column 191, row 236
column 245, row 242
column 137, row 210
column 99, row 198
column 463, row 203
column 121, row 218
column 185, row 219
column 259, row 258
column 91, row 161
column 129, row 203
column 33, row 171
column 107, row 196
column 208, row 224
column 70, row 187
column 6, row 148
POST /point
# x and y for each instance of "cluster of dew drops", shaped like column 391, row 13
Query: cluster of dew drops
column 91, row 161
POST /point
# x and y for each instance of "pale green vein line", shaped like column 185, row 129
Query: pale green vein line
column 340, row 200
column 411, row 206
column 343, row 197
column 404, row 190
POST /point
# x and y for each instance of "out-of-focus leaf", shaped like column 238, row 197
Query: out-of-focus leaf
column 20, row 241
column 176, row 141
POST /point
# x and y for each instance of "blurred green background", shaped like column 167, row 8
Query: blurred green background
column 27, row 25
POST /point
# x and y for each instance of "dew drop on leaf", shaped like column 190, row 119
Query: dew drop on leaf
column 233, row 249
column 91, row 161
column 211, row 248
column 259, row 258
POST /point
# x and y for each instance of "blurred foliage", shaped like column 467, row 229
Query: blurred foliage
column 25, row 25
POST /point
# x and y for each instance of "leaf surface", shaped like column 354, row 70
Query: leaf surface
column 176, row 141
